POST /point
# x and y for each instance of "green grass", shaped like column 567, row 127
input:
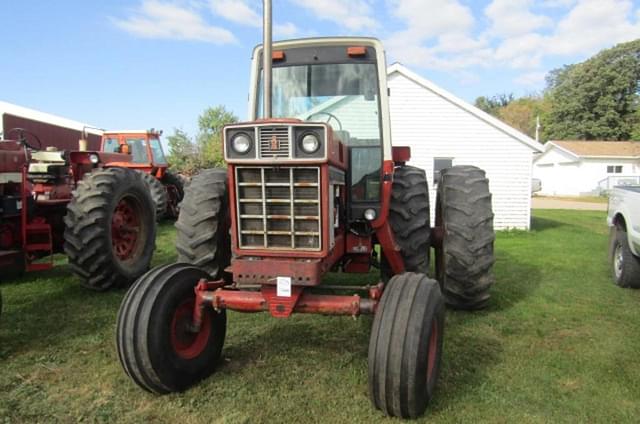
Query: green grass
column 558, row 344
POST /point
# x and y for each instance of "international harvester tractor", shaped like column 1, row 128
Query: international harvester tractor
column 147, row 158
column 68, row 202
column 313, row 185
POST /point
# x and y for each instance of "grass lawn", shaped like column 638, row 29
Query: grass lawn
column 558, row 344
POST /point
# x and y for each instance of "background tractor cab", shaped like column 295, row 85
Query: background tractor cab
column 143, row 145
column 146, row 155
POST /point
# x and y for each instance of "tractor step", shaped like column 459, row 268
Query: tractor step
column 38, row 239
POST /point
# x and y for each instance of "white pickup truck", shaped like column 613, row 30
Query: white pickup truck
column 623, row 218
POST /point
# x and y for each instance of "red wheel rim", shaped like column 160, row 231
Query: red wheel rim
column 125, row 228
column 433, row 350
column 186, row 343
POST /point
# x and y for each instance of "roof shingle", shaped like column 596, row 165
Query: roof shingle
column 600, row 148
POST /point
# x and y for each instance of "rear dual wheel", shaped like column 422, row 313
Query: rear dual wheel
column 464, row 255
column 157, row 345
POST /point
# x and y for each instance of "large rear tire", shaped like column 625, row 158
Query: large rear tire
column 156, row 345
column 175, row 193
column 625, row 266
column 203, row 224
column 110, row 228
column 409, row 219
column 158, row 193
column 405, row 348
column 465, row 258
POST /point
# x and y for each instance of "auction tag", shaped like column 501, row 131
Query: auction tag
column 283, row 286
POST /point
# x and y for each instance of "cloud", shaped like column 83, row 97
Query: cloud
column 531, row 79
column 168, row 20
column 239, row 12
column 513, row 17
column 438, row 35
column 594, row 24
column 430, row 18
column 354, row 15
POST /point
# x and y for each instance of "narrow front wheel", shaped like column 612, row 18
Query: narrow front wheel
column 406, row 345
column 157, row 345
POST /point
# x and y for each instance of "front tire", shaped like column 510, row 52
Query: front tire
column 110, row 228
column 405, row 348
column 625, row 266
column 465, row 258
column 156, row 347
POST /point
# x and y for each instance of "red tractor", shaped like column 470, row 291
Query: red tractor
column 60, row 201
column 147, row 157
column 311, row 188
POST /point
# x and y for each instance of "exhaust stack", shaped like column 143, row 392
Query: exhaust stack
column 266, row 58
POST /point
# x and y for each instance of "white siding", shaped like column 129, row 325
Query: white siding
column 435, row 127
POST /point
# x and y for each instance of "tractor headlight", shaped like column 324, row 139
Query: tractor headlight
column 94, row 158
column 241, row 143
column 310, row 143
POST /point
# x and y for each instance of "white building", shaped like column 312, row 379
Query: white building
column 443, row 130
column 576, row 168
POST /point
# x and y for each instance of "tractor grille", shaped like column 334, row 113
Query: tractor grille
column 274, row 142
column 278, row 208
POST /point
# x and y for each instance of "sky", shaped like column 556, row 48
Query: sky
column 160, row 63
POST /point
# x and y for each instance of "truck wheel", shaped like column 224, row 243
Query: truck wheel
column 409, row 219
column 156, row 345
column 158, row 194
column 464, row 256
column 110, row 228
column 175, row 193
column 203, row 223
column 625, row 265
column 405, row 347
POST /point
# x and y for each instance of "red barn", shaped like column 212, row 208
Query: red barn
column 52, row 130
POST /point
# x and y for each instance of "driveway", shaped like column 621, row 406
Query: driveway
column 551, row 203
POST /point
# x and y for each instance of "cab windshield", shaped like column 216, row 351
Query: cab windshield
column 138, row 149
column 157, row 152
column 345, row 96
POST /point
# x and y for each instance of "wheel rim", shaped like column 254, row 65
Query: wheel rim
column 433, row 350
column 188, row 344
column 618, row 261
column 125, row 228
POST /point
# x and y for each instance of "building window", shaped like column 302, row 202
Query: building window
column 614, row 169
column 438, row 165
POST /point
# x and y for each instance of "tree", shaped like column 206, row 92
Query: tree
column 598, row 98
column 209, row 139
column 183, row 155
column 524, row 112
column 491, row 105
column 188, row 157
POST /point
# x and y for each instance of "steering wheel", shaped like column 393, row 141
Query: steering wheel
column 22, row 139
column 330, row 115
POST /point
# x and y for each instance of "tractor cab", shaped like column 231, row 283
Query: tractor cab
column 143, row 146
column 340, row 82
